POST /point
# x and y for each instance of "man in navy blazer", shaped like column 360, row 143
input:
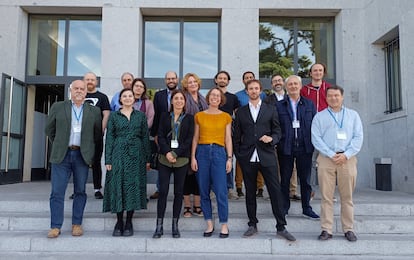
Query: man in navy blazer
column 256, row 133
column 295, row 116
column 73, row 127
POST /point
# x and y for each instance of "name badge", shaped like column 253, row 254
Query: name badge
column 76, row 128
column 296, row 124
column 341, row 135
column 174, row 144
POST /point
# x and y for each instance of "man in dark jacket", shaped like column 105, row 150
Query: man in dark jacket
column 295, row 117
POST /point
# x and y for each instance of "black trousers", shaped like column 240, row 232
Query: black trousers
column 96, row 166
column 303, row 168
column 271, row 179
column 164, row 173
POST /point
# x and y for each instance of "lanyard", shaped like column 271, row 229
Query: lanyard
column 336, row 121
column 78, row 117
column 176, row 125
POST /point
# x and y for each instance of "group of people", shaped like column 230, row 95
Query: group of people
column 197, row 138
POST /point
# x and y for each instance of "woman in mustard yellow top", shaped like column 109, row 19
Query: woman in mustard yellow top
column 211, row 145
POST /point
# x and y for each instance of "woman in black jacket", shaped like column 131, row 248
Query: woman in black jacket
column 175, row 133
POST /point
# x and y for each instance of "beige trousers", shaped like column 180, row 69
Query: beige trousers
column 345, row 176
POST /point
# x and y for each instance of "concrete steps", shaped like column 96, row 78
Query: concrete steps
column 384, row 224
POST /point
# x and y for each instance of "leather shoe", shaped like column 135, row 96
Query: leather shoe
column 324, row 235
column 53, row 233
column 252, row 230
column 77, row 230
column 350, row 236
column 208, row 234
column 98, row 195
column 286, row 235
column 118, row 229
column 155, row 195
column 128, row 230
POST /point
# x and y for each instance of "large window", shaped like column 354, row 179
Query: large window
column 64, row 45
column 181, row 45
column 291, row 45
column 393, row 78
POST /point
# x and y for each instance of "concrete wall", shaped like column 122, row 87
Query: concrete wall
column 360, row 25
column 389, row 135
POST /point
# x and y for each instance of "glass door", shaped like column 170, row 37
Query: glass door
column 12, row 120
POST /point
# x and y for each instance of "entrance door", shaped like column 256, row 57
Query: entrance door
column 46, row 95
column 12, row 121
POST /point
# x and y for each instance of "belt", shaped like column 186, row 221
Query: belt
column 74, row 147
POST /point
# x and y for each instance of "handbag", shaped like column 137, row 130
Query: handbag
column 154, row 161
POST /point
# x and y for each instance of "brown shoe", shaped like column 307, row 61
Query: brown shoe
column 155, row 195
column 77, row 230
column 53, row 233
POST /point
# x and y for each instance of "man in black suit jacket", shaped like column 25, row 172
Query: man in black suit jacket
column 161, row 105
column 256, row 133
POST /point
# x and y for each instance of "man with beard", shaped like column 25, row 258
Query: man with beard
column 256, row 133
column 162, row 104
column 73, row 127
column 98, row 99
column 222, row 80
column 126, row 80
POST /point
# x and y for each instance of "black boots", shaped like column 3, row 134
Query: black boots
column 159, row 231
column 175, row 231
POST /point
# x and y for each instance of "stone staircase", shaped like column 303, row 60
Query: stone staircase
column 384, row 224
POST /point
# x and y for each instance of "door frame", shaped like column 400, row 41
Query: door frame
column 8, row 175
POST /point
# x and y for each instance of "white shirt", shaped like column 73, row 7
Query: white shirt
column 254, row 111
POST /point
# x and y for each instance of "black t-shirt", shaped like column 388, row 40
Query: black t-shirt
column 232, row 103
column 98, row 99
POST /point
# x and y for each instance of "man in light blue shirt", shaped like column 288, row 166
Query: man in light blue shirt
column 337, row 134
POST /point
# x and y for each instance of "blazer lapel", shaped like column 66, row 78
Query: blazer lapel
column 68, row 112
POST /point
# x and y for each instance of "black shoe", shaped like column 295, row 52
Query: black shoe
column 310, row 214
column 350, row 236
column 118, row 229
column 324, row 236
column 259, row 193
column 240, row 192
column 222, row 235
column 128, row 230
column 286, row 235
column 295, row 198
column 98, row 195
column 155, row 195
column 252, row 230
column 72, row 196
column 208, row 234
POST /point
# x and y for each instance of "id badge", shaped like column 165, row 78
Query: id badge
column 341, row 135
column 296, row 124
column 174, row 144
column 77, row 128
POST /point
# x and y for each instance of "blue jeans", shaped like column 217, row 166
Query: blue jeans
column 61, row 172
column 211, row 160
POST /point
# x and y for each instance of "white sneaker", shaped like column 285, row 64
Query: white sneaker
column 232, row 195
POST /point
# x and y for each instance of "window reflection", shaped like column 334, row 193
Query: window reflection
column 84, row 52
column 162, row 48
column 292, row 45
column 194, row 48
column 200, row 48
column 47, row 46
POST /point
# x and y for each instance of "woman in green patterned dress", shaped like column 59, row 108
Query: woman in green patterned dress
column 126, row 159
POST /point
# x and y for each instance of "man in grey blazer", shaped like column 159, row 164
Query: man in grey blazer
column 73, row 127
column 256, row 133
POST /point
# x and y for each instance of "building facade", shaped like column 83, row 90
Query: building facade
column 364, row 43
